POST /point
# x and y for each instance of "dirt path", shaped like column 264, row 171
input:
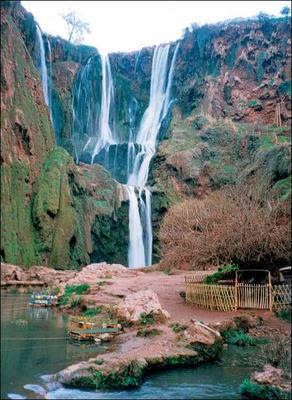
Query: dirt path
column 167, row 287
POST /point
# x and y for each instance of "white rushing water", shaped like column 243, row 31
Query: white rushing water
column 140, row 240
column 102, row 138
column 105, row 135
column 43, row 66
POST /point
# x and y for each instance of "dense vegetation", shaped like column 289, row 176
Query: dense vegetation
column 235, row 225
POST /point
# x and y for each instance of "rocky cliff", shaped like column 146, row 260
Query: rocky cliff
column 53, row 212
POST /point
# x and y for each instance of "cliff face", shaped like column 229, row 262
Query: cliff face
column 230, row 81
column 26, row 138
column 52, row 212
column 238, row 71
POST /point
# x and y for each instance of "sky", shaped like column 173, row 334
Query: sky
column 130, row 25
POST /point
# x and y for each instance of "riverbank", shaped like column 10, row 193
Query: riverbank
column 179, row 334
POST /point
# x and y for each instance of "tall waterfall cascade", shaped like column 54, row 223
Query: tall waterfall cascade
column 93, row 112
column 140, row 241
column 42, row 66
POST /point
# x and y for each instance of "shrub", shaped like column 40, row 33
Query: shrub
column 285, row 315
column 253, row 391
column 147, row 319
column 76, row 302
column 223, row 272
column 145, row 332
column 177, row 328
column 73, row 289
column 240, row 338
column 91, row 312
column 234, row 226
column 278, row 354
column 80, row 289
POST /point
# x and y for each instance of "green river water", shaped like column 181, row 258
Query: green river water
column 34, row 344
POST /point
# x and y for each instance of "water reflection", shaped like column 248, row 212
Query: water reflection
column 33, row 342
column 39, row 347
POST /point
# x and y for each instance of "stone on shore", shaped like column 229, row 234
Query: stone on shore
column 143, row 302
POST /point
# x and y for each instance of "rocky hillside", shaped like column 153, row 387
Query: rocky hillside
column 53, row 212
column 231, row 84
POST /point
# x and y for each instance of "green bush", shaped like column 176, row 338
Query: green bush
column 253, row 391
column 73, row 289
column 285, row 315
column 177, row 328
column 147, row 319
column 91, row 312
column 278, row 354
column 240, row 338
column 76, row 302
column 80, row 289
column 223, row 272
column 145, row 332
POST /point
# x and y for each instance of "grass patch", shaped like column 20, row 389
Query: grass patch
column 240, row 338
column 146, row 332
column 267, row 142
column 91, row 312
column 177, row 328
column 73, row 289
column 99, row 361
column 285, row 315
column 278, row 354
column 13, row 290
column 147, row 319
column 76, row 302
column 253, row 391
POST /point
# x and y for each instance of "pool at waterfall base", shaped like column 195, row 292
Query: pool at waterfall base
column 34, row 344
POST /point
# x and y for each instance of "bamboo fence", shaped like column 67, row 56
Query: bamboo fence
column 240, row 295
column 281, row 297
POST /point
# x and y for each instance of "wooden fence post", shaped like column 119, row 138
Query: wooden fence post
column 235, row 292
column 270, row 293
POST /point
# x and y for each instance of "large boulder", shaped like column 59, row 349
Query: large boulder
column 11, row 272
column 270, row 376
column 144, row 302
column 201, row 333
column 92, row 272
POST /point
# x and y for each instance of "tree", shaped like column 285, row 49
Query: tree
column 285, row 11
column 263, row 17
column 76, row 27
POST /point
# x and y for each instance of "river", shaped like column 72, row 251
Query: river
column 33, row 344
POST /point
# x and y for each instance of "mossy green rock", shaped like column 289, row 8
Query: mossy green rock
column 74, row 207
column 26, row 138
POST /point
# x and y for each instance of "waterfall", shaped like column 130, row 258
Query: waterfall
column 147, row 139
column 105, row 136
column 50, row 81
column 43, row 66
column 92, row 109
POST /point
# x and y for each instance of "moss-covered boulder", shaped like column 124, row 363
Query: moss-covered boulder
column 74, row 210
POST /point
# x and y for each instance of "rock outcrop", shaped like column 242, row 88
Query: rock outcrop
column 271, row 376
column 127, row 366
column 141, row 303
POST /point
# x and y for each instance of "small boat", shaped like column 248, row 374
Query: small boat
column 92, row 330
column 40, row 299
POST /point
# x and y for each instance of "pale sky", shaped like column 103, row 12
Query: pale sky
column 131, row 25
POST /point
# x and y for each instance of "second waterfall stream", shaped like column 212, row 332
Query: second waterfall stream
column 94, row 119
column 140, row 226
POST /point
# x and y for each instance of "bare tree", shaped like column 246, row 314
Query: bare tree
column 285, row 11
column 76, row 27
